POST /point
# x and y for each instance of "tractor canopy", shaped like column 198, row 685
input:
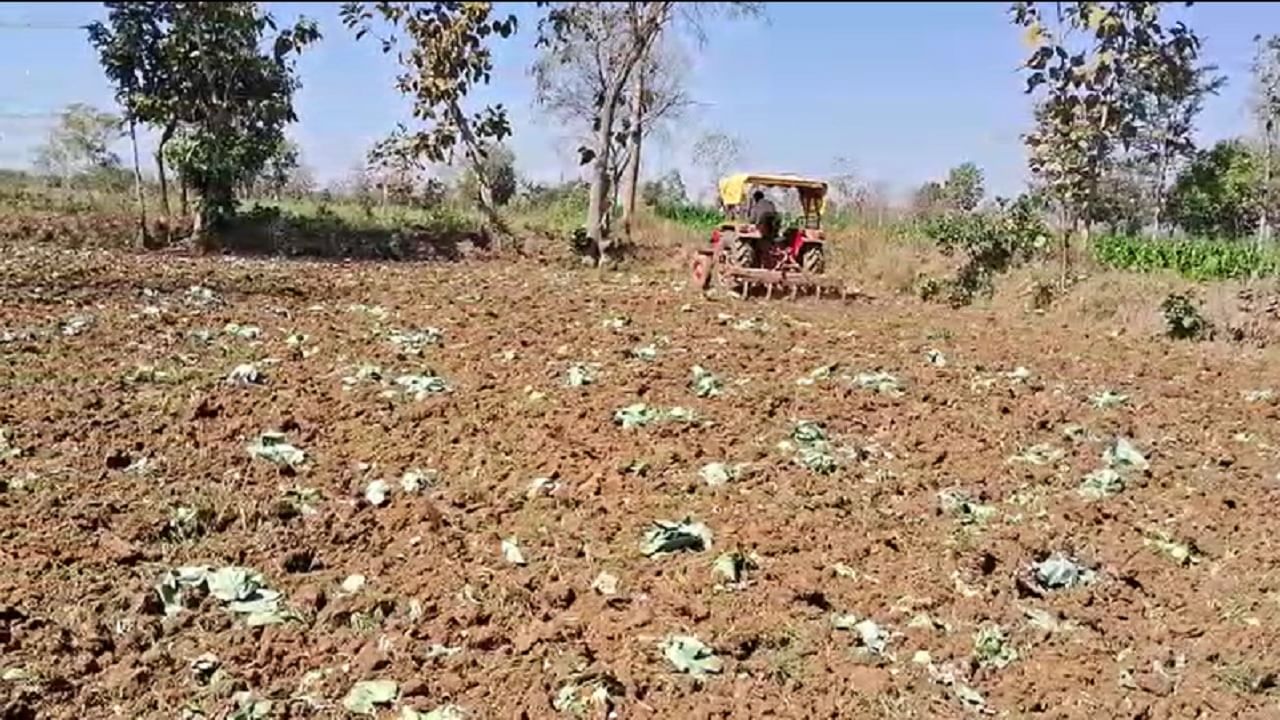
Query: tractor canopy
column 813, row 193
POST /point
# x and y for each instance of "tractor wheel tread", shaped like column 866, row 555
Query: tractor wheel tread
column 812, row 260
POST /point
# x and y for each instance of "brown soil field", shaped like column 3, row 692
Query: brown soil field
column 903, row 572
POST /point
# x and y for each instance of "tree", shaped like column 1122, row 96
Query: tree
column 963, row 189
column 570, row 83
column 499, row 166
column 626, row 34
column 80, row 142
column 657, row 96
column 620, row 36
column 447, row 56
column 1266, row 109
column 1167, row 110
column 666, row 191
column 395, row 176
column 279, row 169
column 1220, row 193
column 928, row 199
column 848, row 191
column 130, row 51
column 301, row 182
column 1123, row 196
column 1093, row 65
column 198, row 70
column 718, row 152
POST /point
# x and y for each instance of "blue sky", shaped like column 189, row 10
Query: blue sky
column 900, row 91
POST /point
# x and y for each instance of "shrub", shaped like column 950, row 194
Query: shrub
column 991, row 242
column 1182, row 318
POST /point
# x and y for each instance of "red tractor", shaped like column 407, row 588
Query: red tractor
column 744, row 254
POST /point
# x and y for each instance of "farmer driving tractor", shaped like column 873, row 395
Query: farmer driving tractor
column 764, row 215
column 750, row 246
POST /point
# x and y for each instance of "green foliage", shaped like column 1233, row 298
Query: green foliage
column 1135, row 192
column 199, row 69
column 1192, row 258
column 667, row 190
column 1096, row 70
column 963, row 189
column 1122, row 203
column 1220, row 193
column 346, row 230
column 990, row 242
column 1182, row 318
column 448, row 56
column 279, row 169
column 928, row 198
column 554, row 210
column 691, row 216
column 1266, row 110
column 499, row 167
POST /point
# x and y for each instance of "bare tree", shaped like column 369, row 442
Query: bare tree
column 622, row 35
column 1266, row 109
column 570, row 84
column 717, row 151
column 657, row 95
column 617, row 37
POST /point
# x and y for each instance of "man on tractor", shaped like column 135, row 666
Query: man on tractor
column 764, row 215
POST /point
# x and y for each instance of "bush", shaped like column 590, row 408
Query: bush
column 1192, row 258
column 1219, row 193
column 666, row 190
column 991, row 242
column 1182, row 318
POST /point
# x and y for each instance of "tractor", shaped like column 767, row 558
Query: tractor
column 742, row 254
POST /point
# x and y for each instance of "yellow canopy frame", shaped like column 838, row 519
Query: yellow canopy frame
column 812, row 191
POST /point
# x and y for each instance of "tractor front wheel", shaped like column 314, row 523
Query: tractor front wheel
column 812, row 260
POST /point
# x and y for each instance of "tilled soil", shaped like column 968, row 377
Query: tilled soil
column 125, row 457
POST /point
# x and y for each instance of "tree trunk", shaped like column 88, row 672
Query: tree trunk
column 631, row 175
column 214, row 207
column 1264, row 214
column 165, row 136
column 143, row 240
column 1162, row 170
column 484, row 191
column 600, row 175
column 644, row 30
column 182, row 195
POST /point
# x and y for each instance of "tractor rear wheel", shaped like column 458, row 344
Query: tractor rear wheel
column 812, row 260
column 742, row 253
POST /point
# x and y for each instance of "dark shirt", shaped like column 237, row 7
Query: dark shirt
column 762, row 211
column 765, row 216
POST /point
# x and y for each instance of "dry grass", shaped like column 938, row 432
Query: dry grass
column 1114, row 302
column 1109, row 301
column 890, row 263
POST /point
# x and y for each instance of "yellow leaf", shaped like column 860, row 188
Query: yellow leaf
column 1034, row 35
column 1094, row 17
